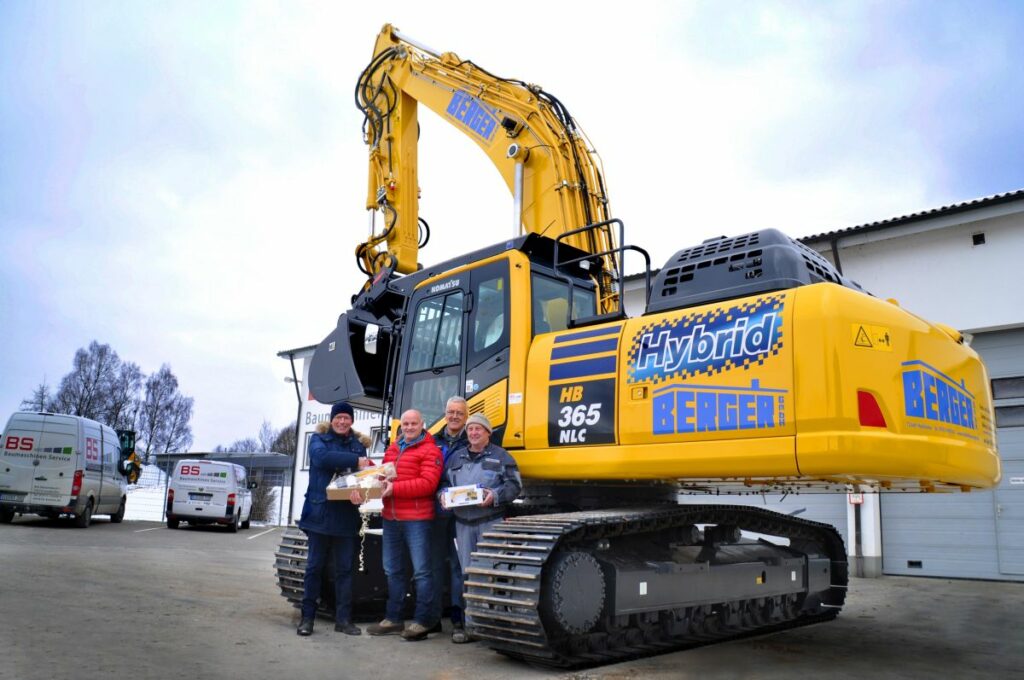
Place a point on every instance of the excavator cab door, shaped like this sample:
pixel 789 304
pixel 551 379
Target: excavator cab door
pixel 457 339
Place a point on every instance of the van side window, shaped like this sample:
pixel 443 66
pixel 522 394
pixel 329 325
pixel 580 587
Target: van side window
pixel 110 456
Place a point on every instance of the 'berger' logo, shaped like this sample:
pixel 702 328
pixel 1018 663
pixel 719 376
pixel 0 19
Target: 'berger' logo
pixel 473 113
pixel 708 342
pixel 930 394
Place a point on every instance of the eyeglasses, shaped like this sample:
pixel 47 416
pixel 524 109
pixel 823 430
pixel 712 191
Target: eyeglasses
pixel 455 413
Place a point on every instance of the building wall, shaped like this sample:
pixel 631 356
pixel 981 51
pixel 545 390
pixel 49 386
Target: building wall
pixel 313 413
pixel 939 274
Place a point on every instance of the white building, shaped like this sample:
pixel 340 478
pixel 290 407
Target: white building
pixel 957 265
pixel 310 414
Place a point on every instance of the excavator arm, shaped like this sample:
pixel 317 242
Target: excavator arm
pixel 542 155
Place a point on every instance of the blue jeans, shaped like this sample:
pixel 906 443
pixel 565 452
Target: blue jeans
pixel 343 549
pixel 414 537
pixel 445 567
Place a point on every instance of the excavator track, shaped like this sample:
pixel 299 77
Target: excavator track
pixel 535 589
pixel 369 583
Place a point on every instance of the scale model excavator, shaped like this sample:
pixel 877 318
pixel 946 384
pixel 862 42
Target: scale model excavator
pixel 755 367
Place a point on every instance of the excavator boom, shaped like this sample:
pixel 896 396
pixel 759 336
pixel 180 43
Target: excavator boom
pixel 540 152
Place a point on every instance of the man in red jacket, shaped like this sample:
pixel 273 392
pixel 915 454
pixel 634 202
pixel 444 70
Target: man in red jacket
pixel 408 516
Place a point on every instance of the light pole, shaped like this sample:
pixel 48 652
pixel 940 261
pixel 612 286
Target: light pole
pixel 294 379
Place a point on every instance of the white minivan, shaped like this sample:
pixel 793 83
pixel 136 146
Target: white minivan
pixel 209 492
pixel 55 465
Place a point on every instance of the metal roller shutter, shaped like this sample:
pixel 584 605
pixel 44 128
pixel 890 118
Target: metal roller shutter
pixel 978 534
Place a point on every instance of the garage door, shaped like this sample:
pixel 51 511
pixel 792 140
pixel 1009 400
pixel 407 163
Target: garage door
pixel 829 508
pixel 978 534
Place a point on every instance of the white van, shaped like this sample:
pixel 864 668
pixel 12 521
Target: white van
pixel 209 492
pixel 55 465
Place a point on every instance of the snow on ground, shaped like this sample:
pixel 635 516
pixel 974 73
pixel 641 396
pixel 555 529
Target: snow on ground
pixel 147 498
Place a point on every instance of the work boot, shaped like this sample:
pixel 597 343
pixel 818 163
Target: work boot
pixel 348 628
pixel 415 631
pixel 305 627
pixel 385 627
pixel 459 635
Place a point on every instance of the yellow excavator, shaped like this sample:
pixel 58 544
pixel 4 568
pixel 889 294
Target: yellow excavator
pixel 755 367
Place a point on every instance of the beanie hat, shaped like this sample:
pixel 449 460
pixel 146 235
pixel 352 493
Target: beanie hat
pixel 342 407
pixel 481 420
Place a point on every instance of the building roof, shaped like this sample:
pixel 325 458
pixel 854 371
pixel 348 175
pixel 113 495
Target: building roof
pixel 249 460
pixel 954 208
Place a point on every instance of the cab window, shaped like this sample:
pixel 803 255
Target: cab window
pixel 489 326
pixel 437 333
pixel 551 303
pixel 435 355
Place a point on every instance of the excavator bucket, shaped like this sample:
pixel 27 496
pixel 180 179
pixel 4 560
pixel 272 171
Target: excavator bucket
pixel 350 364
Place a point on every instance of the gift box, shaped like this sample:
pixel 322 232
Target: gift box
pixel 368 481
pixel 342 493
pixel 458 496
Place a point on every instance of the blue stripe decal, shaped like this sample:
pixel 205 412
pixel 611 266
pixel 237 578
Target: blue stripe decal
pixel 597 332
pixel 595 347
pixel 583 368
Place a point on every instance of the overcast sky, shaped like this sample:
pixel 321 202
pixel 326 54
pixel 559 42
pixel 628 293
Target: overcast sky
pixel 185 180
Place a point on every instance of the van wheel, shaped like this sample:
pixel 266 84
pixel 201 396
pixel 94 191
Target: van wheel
pixel 119 515
pixel 233 527
pixel 6 515
pixel 245 524
pixel 172 523
pixel 83 518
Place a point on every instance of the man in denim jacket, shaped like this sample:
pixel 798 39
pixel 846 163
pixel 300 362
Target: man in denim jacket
pixel 443 558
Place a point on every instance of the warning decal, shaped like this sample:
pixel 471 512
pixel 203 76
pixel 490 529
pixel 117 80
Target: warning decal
pixel 871 337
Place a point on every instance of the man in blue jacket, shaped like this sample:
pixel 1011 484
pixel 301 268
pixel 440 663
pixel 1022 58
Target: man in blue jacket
pixel 332 527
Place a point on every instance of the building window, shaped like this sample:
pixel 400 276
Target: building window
pixel 1009 416
pixel 1008 388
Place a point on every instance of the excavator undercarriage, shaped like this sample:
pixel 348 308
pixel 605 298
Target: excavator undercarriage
pixel 593 587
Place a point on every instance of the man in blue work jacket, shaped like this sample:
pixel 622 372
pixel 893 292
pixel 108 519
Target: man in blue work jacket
pixel 494 470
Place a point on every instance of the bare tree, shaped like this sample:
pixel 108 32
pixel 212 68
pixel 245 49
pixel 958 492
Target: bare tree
pixel 40 399
pixel 123 398
pixel 179 430
pixel 285 440
pixel 102 387
pixel 164 415
pixel 83 391
pixel 266 436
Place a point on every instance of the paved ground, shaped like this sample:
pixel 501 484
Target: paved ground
pixel 137 600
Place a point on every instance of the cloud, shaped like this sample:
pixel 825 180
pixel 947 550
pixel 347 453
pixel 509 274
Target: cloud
pixel 186 181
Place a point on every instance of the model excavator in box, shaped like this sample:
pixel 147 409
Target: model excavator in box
pixel 755 367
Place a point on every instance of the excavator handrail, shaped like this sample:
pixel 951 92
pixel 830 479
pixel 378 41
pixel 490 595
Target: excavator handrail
pixel 620 312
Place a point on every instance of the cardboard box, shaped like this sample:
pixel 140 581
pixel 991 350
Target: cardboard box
pixel 342 493
pixel 459 496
